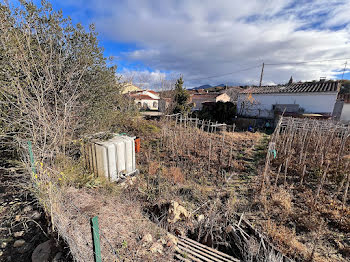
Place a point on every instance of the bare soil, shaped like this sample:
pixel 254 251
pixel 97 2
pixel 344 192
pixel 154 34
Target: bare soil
pixel 22 218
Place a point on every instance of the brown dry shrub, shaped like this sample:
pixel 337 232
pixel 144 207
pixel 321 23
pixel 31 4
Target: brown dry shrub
pixel 174 174
pixel 120 222
pixel 153 168
pixel 283 199
pixel 244 136
pixel 238 166
pixel 285 238
pixel 335 212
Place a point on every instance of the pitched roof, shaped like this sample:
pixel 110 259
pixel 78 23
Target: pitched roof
pixel 141 97
pixel 153 92
pixel 144 94
pixel 306 87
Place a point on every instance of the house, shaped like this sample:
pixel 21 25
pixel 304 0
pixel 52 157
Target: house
pixel 146 99
pixel 129 87
pixel 345 112
pixel 307 97
pixel 232 92
pixel 200 98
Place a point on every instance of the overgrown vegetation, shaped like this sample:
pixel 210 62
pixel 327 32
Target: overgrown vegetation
pixel 222 112
pixel 304 192
pixel 55 87
pixel 54 80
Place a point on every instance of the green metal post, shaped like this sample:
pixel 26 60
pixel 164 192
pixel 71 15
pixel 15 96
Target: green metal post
pixel 96 239
pixel 31 156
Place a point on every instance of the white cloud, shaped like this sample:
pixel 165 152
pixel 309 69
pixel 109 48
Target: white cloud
pixel 146 79
pixel 204 38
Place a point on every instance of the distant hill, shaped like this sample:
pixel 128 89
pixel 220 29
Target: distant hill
pixel 201 87
pixel 207 87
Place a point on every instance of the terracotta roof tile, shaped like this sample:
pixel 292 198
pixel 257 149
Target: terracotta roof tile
pixel 306 87
pixel 141 97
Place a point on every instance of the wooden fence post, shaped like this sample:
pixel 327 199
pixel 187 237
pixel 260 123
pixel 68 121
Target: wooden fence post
pixel 96 239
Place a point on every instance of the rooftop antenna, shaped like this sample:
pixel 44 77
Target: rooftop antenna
pixel 342 77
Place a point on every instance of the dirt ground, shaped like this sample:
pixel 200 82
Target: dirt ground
pixel 23 224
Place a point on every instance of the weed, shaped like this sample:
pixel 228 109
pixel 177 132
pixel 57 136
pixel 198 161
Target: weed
pixel 283 199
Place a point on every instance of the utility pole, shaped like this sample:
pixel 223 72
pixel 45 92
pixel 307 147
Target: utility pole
pixel 262 73
pixel 342 77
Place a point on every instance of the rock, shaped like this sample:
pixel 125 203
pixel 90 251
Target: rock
pixel 157 247
pixel 27 209
pixel 132 180
pixel 19 243
pixel 3 244
pixel 147 238
pixel 17 218
pixel 57 257
pixel 162 241
pixel 18 234
pixel 129 181
pixel 35 215
pixel 177 212
pixel 200 218
pixel 172 240
pixel 42 252
pixel 229 229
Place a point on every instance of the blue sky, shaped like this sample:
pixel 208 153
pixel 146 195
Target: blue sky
pixel 156 40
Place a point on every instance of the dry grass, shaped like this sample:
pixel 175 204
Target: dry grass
pixel 293 213
pixel 121 222
pixel 285 239
pixel 283 199
pixel 153 168
pixel 174 174
pixel 306 204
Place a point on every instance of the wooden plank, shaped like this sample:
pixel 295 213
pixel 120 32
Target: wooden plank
pixel 187 255
pixel 207 251
pixel 209 248
pixel 181 258
pixel 191 252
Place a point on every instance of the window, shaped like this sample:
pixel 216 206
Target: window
pixel 155 104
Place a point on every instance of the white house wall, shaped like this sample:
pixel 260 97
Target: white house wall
pixel 310 102
pixel 345 113
pixel 151 104
pixel 223 98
